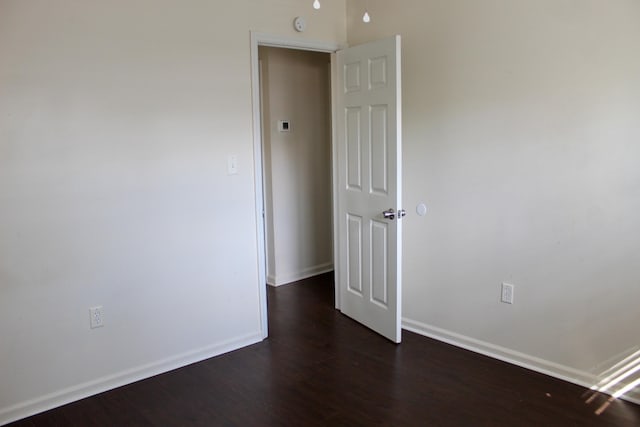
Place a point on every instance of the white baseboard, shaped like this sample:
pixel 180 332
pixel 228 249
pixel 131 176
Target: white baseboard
pixel 81 391
pixel 283 279
pixel 566 373
pixel 90 388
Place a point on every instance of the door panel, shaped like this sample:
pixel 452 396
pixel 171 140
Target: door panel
pixel 379 256
pixel 368 148
pixel 378 167
pixel 354 149
pixel 354 254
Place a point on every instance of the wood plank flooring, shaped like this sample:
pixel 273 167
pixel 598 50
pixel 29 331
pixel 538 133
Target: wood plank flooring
pixel 319 368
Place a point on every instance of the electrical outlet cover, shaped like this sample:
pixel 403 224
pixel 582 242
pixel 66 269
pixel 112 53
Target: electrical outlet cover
pixel 96 319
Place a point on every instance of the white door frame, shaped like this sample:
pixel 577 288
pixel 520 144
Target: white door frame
pixel 261 39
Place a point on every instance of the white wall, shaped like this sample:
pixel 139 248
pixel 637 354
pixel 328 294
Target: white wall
pixel 297 164
pixel 116 119
pixel 521 131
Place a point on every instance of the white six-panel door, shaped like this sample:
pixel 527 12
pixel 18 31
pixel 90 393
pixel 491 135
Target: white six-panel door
pixel 368 152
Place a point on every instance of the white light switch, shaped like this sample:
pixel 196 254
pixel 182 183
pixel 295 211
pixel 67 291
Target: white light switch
pixel 232 164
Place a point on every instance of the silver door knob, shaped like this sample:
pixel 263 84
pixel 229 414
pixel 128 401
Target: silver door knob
pixel 389 214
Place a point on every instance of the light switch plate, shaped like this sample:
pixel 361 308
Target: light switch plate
pixel 232 164
pixel 506 294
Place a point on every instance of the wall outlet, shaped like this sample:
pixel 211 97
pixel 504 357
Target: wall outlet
pixel 507 293
pixel 96 320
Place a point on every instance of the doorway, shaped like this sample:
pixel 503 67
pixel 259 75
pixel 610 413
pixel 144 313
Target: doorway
pixel 367 249
pixel 267 40
pixel 295 92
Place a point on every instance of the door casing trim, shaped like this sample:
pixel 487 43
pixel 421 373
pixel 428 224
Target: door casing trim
pixel 262 39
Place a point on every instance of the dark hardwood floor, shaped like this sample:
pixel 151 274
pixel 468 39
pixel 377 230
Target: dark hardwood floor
pixel 319 368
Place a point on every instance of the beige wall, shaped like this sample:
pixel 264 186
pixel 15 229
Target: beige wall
pixel 296 87
pixel 116 120
pixel 521 134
